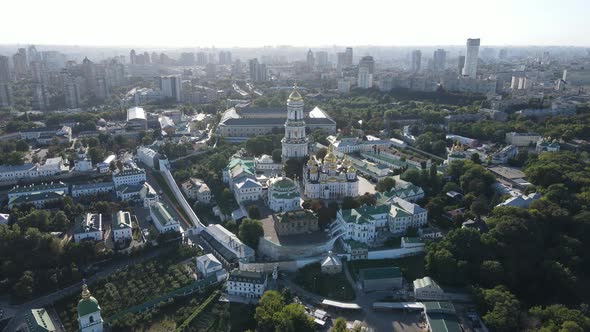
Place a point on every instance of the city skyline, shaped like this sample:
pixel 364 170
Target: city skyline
pixel 401 24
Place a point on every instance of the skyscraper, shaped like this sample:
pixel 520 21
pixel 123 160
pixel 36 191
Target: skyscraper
pixel 322 59
pixel 132 57
pixel 20 64
pixel 365 78
pixel 461 64
pixel 416 61
pixel 201 58
pixel 470 68
pixel 5 94
pixel 310 60
pixel 33 54
pixel 369 62
pixel 72 94
pixel 439 60
pixel 4 69
pixel 170 87
pixel 348 57
pixel 258 71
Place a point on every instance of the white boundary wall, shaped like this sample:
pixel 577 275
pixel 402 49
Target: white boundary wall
pixel 199 226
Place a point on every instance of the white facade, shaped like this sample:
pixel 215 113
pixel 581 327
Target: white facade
pixel 146 156
pixel 196 189
pixel 365 78
pixel 404 214
pixel 295 143
pixel 90 227
pixel 363 224
pixel 92 189
pixel 283 194
pixel 329 180
pixel 162 218
pixel 246 284
pixel 208 265
pixel 121 226
pixel 129 176
pixel 471 58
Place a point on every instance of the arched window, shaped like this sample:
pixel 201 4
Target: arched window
pixel 91 319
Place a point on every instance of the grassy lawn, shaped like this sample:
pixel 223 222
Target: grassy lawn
pixel 168 192
pixel 333 286
pixel 412 267
pixel 127 288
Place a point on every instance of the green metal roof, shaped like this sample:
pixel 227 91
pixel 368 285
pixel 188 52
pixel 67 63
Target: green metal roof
pixel 363 214
pixel 380 273
pixel 88 306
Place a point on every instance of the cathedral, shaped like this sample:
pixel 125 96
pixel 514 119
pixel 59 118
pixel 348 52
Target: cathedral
pixel 330 179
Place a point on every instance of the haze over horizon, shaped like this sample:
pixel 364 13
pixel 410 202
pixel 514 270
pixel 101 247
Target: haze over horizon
pixel 302 23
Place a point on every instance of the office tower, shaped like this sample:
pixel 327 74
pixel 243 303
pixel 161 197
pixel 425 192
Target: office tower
pixel 367 61
pixel 170 87
pixel 33 55
pixel 416 61
pixel 546 58
pixel 5 94
pixel 348 57
pixel 365 78
pixel 187 59
pixel 439 60
pixel 258 71
pixel 322 59
pixel 310 60
pixel 20 65
pixel 132 57
pixel 40 97
pixel 201 58
pixel 212 58
pixel 503 54
pixel 4 69
pixel 211 70
pixel 155 58
pixel 470 67
pixel 72 94
pixel 146 58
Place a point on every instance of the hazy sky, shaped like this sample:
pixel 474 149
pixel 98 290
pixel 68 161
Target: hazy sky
pixel 225 23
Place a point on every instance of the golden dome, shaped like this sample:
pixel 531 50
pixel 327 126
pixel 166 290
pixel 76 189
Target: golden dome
pixel 310 162
pixel 295 95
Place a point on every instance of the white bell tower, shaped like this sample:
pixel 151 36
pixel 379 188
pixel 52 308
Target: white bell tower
pixel 295 143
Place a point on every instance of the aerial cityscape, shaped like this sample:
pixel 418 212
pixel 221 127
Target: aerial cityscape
pixel 389 174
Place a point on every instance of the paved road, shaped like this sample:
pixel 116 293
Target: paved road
pixel 42 301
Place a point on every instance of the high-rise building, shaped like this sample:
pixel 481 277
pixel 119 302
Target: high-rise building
pixel 439 60
pixel 461 64
pixel 310 60
pixel 201 58
pixel 155 58
pixel 40 97
pixel 132 57
pixel 348 57
pixel 295 143
pixel 365 78
pixel 5 94
pixel 33 54
pixel 258 71
pixel 38 72
pixel 471 58
pixel 211 70
pixel 369 62
pixel 20 65
pixel 89 73
pixel 503 54
pixel 170 86
pixel 322 59
pixel 187 59
pixel 416 61
pixel 225 58
pixel 4 69
pixel 72 94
